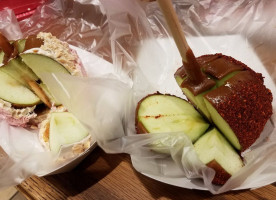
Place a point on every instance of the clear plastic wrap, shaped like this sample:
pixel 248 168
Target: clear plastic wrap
pixel 133 36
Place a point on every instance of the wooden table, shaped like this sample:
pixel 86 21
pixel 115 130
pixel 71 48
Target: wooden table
pixel 108 176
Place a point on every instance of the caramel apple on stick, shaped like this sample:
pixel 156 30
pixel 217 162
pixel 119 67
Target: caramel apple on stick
pixel 230 94
pixel 239 104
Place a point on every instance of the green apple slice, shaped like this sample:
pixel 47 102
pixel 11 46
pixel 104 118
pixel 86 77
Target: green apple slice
pixel 224 79
pixel 159 113
pixel 20 45
pixel 41 63
pixel 46 91
pixel 19 71
pixel 223 125
pixel 65 129
pixel 14 92
pixel 2 54
pixel 215 151
pixel 197 100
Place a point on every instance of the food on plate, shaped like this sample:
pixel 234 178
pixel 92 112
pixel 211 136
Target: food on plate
pixel 18 70
pixel 62 128
pixel 27 102
pixel 14 92
pixel 228 93
pixel 46 44
pixel 40 63
pixel 216 152
pixel 158 113
pixel 239 104
pixel 24 61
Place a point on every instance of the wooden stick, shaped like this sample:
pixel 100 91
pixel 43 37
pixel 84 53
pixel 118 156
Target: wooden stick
pixel 40 93
pixel 175 27
pixel 196 81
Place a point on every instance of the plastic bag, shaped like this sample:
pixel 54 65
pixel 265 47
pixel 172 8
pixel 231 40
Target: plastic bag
pixel 132 35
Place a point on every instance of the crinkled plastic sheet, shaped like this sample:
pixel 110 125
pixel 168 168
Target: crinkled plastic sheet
pixel 127 29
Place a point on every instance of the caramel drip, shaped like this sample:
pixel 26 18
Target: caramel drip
pixel 196 81
pixel 216 65
pixel 33 42
pixel 226 91
pixel 221 66
pixel 205 85
pixel 7 48
pixel 180 72
pixel 11 50
pixel 192 69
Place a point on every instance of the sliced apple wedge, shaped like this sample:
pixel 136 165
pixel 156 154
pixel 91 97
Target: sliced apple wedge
pixel 41 63
pixel 215 151
pixel 65 129
pixel 159 113
pixel 23 74
pixel 19 71
pixel 239 104
pixel 14 92
pixel 198 100
pixel 235 108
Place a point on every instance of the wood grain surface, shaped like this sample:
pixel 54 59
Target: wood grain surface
pixel 111 176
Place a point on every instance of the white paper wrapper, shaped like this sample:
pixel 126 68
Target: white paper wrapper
pixel 133 35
